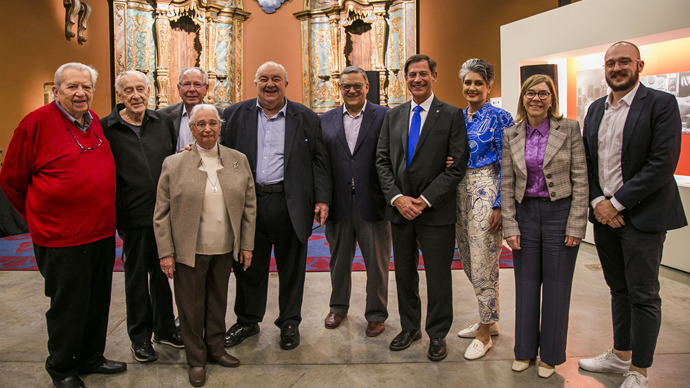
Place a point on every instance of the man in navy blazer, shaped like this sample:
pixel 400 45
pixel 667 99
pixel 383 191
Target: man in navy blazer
pixel 420 191
pixel 351 132
pixel 632 142
pixel 283 143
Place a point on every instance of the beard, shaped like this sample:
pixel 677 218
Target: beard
pixel 632 80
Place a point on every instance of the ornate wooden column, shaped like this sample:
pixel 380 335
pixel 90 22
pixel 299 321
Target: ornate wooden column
pixel 159 38
pixel 373 35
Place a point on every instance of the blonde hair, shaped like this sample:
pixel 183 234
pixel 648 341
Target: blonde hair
pixel 527 85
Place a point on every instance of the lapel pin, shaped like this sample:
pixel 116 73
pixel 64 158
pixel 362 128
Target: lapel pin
pixel 437 110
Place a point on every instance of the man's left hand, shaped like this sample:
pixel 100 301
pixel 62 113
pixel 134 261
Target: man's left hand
pixel 320 213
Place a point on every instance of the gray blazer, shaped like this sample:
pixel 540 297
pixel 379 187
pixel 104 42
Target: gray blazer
pixel 565 170
pixel 180 195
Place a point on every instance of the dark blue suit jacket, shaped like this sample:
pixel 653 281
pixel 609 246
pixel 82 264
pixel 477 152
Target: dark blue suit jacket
pixel 360 164
pixel 306 167
pixel 651 148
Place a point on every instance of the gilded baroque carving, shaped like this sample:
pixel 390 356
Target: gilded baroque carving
pixel 136 21
pixel 392 40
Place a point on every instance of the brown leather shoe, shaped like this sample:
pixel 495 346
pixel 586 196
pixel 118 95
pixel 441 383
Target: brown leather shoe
pixel 375 328
pixel 197 375
pixel 228 361
pixel 333 320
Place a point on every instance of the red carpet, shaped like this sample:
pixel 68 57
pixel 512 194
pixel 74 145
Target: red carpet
pixel 17 254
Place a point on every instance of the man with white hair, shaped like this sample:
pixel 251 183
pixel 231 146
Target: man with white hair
pixel 192 87
pixel 60 177
pixel 140 140
pixel 282 140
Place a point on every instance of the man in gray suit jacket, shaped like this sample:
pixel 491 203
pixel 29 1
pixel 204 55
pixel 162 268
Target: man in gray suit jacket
pixel 632 143
pixel 192 88
pixel 283 143
pixel 351 132
pixel 415 139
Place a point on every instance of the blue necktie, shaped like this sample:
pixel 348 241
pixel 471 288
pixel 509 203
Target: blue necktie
pixel 412 138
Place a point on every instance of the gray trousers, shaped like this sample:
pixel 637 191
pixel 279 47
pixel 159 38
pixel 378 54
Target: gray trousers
pixel 374 240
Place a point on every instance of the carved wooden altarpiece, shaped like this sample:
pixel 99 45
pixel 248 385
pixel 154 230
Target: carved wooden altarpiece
pixel 160 37
pixel 376 35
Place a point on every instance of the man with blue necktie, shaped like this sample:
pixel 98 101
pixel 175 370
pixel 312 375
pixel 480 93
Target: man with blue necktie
pixel 415 139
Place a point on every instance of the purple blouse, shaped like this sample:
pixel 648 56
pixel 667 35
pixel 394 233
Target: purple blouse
pixel 535 147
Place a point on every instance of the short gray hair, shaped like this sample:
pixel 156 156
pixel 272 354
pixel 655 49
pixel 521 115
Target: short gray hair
pixel 355 69
pixel 59 73
pixel 479 66
pixel 268 64
pixel 118 79
pixel 201 71
pixel 201 108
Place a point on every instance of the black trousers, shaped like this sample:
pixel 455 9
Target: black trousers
pixel 274 231
pixel 630 259
pixel 77 281
pixel 437 244
pixel 147 290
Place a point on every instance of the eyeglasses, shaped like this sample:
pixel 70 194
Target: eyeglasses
pixel 81 146
pixel 203 124
pixel 195 85
pixel 542 94
pixel 357 87
pixel 622 63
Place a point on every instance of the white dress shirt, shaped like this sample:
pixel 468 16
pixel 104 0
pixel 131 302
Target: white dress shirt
pixel 610 147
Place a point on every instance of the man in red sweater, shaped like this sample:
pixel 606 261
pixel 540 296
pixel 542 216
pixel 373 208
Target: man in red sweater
pixel 60 176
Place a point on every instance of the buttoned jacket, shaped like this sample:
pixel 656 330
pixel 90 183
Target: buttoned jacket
pixel 564 167
pixel 443 134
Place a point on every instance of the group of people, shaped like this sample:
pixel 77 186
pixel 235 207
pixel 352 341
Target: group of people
pixel 196 191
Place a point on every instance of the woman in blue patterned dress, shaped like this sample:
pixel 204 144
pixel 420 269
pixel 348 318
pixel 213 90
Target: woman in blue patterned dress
pixel 478 225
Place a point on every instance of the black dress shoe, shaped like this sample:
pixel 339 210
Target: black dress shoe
pixel 106 367
pixel 405 339
pixel 437 349
pixel 289 337
pixel 239 332
pixel 69 382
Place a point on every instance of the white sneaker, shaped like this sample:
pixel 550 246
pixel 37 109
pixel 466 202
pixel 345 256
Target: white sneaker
pixel 477 349
pixel 634 379
pixel 607 362
pixel 471 331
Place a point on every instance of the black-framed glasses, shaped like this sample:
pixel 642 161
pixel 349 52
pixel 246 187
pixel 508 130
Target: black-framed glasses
pixel 541 94
pixel 357 87
pixel 81 146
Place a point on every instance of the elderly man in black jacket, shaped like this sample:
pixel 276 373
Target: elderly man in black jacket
pixel 140 139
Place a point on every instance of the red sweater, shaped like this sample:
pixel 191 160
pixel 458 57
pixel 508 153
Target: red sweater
pixel 66 196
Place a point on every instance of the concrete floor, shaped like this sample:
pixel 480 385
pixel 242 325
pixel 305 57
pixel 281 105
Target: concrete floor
pixel 345 356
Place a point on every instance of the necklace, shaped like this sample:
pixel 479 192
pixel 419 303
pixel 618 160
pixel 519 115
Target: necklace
pixel 214 188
